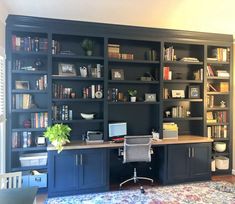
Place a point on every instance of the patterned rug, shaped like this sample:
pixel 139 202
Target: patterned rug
pixel 195 193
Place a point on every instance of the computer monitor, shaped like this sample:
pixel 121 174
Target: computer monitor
pixel 117 129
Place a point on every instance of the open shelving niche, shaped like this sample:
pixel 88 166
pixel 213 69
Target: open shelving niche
pixel 218 74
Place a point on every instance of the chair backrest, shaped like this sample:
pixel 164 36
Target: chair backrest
pixel 137 149
pixel 10 180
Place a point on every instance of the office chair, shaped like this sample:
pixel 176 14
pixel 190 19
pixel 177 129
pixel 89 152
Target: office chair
pixel 136 149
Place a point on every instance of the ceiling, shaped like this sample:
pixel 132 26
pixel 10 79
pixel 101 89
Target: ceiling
pixel 196 15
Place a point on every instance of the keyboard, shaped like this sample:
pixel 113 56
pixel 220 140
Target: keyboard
pixel 118 140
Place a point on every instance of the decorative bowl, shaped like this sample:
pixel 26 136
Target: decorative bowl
pixel 87 116
pixel 219 146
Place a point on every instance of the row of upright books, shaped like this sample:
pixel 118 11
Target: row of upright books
pixel 218 87
pixel 62 112
pixel 114 52
pixel 219 73
pixel 169 53
pixel 41 83
pixel 22 139
pixel 39 120
pixel 61 92
pixel 22 101
pixel 220 54
pixel 29 44
pixel 217 117
pixel 218 131
pixel 178 112
pixel 93 91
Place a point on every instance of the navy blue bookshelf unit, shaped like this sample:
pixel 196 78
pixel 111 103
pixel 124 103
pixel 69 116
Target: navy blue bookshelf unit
pixel 37 48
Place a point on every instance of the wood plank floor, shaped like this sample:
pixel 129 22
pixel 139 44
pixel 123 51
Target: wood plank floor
pixel 229 178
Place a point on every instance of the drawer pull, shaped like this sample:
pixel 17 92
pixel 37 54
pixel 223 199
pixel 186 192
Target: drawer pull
pixel 76 159
pixel 189 152
pixel 81 159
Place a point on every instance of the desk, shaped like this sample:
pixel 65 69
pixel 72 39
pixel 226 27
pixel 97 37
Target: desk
pixel 18 195
pixel 186 139
pixel 87 168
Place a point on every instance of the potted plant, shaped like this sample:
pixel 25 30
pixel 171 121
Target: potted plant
pixel 132 93
pixel 58 135
pixel 88 46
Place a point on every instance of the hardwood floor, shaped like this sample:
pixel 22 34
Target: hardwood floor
pixel 229 178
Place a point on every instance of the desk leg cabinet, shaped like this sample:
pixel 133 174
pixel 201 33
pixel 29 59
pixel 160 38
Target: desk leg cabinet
pixel 188 162
pixel 77 171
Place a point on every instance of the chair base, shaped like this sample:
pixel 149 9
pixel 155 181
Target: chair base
pixel 135 178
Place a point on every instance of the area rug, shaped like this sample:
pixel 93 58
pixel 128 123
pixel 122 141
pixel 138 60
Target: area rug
pixel 195 193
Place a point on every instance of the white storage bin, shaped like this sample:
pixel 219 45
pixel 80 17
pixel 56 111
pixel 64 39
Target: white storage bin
pixel 222 163
pixel 35 159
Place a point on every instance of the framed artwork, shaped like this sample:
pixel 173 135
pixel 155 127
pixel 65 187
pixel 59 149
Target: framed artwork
pixel 178 94
pixel 150 97
pixel 194 91
pixel 66 69
pixel 23 85
pixel 117 74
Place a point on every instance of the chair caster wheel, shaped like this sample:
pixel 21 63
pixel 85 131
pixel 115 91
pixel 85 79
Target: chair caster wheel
pixel 142 189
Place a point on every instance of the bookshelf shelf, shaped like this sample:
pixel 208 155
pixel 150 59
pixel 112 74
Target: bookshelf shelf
pixel 183 81
pixel 183 99
pixel 133 103
pixel 79 121
pixel 29 149
pixel 29 72
pixel 30 53
pixel 178 119
pixel 77 57
pixel 29 168
pixel 133 61
pixel 218 93
pixel 28 129
pixel 217 62
pixel 182 63
pixel 77 100
pixel 212 124
pixel 29 110
pixel 76 78
pixel 217 78
pixel 217 108
pixel 132 82
pixel 220 154
pixel 220 139
pixel 29 91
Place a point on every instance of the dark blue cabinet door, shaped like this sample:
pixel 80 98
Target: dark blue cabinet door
pixel 63 172
pixel 200 160
pixel 178 163
pixel 93 169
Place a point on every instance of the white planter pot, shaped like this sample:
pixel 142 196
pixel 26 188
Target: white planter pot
pixel 133 99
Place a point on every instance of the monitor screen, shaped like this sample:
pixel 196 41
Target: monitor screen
pixel 117 129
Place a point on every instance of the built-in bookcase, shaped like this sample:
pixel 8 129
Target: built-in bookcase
pixel 52 79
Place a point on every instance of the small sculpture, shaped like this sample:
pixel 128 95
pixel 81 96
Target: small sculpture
pixel 222 104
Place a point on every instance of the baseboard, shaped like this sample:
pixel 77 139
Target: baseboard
pixel 233 171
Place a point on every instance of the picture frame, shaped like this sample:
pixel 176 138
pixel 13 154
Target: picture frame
pixel 22 85
pixel 149 97
pixel 117 74
pixel 194 91
pixel 66 69
pixel 178 94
